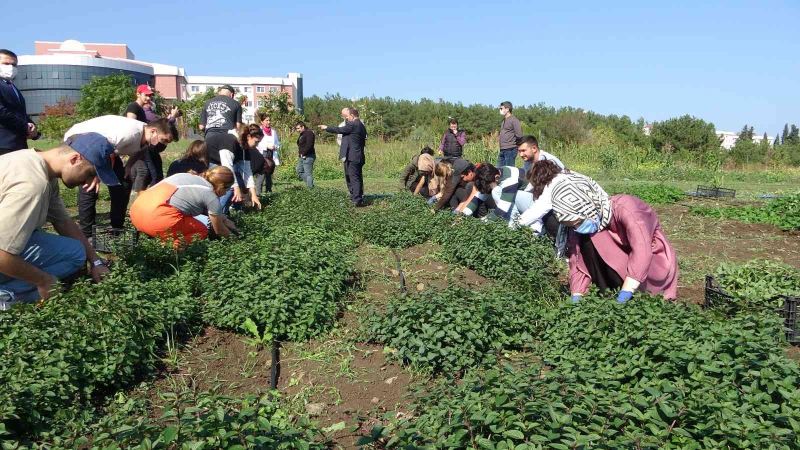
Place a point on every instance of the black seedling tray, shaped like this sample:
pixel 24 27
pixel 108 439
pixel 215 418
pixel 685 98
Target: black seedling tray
pixel 714 192
pixel 108 239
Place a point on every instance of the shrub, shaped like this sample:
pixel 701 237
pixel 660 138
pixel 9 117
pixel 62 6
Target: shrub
pixel 451 331
pixel 401 221
pixel 56 119
pixel 515 257
pixel 654 194
pixel 287 282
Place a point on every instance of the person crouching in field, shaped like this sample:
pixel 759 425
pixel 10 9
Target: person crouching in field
pixel 195 160
pixel 615 242
pixel 418 174
pixel 249 137
pixel 458 188
pixel 504 189
pixel 179 208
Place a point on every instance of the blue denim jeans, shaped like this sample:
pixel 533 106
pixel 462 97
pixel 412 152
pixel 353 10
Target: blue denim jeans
pixel 305 170
pixel 60 256
pixel 507 157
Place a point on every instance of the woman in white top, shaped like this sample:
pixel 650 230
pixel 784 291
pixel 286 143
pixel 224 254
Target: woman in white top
pixel 269 146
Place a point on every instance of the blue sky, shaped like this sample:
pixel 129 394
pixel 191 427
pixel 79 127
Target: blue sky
pixel 728 62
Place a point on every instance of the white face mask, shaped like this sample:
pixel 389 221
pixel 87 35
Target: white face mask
pixel 8 71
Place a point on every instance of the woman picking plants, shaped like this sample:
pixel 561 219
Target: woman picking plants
pixel 615 242
pixel 180 207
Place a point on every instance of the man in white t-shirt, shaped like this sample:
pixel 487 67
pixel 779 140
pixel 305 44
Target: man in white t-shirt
pixel 31 261
pixel 127 136
pixel 528 149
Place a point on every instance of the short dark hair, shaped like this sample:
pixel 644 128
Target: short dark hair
pixel 453 120
pixel 528 139
pixel 227 87
pixel 7 52
pixel 161 125
pixel 485 175
pixel 353 111
pixel 263 115
pixel 427 150
pixel 508 105
pixel 300 123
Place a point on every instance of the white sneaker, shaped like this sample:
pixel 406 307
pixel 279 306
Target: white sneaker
pixel 6 299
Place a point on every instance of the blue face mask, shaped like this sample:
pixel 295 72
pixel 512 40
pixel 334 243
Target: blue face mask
pixel 589 226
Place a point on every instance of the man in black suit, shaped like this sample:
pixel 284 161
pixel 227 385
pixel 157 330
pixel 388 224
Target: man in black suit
pixel 351 152
pixel 15 125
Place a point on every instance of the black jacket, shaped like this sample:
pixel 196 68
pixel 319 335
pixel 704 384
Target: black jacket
pixel 305 143
pixel 354 139
pixel 14 119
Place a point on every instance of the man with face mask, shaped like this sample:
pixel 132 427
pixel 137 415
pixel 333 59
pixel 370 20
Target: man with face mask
pixel 15 125
pixel 128 137
pixel 32 261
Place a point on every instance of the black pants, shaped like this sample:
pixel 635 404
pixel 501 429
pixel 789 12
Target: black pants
pixel 355 180
pixel 603 276
pixel 550 224
pixel 87 202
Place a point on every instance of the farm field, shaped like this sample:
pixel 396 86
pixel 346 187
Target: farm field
pixel 399 328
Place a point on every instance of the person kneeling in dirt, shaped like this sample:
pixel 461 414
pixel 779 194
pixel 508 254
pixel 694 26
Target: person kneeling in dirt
pixel 180 207
pixel 32 261
pixel 614 242
pixel 457 191
pixel 418 174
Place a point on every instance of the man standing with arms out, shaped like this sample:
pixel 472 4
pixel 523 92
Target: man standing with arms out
pixel 452 145
pixel 351 152
pixel 306 154
pixel 32 261
pixel 220 116
pixel 510 131
pixel 15 125
pixel 127 137
pixel 528 148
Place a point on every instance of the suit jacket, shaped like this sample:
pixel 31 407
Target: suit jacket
pixel 13 118
pixel 354 139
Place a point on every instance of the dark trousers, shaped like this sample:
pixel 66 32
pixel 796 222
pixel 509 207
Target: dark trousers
pixel 603 276
pixel 87 202
pixel 354 180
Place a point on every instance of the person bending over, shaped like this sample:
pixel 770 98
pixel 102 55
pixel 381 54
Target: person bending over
pixel 195 160
pixel 614 242
pixel 31 261
pixel 457 190
pixel 179 208
pixel 418 174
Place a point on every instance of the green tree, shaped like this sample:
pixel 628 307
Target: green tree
pixel 281 111
pixel 56 119
pixel 105 95
pixel 785 133
pixel 191 108
pixel 794 136
pixel 687 135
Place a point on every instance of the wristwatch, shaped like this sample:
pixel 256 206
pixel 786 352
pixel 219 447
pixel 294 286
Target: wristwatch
pixel 98 262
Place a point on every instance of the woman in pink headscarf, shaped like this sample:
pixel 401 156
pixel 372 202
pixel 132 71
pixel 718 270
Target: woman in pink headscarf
pixel 614 242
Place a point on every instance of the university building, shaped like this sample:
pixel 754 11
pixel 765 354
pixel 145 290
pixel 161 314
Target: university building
pixel 58 70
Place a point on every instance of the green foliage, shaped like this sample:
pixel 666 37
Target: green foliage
pixel 83 343
pixel 191 108
pixel 647 374
pixel 105 95
pixel 329 209
pixel 281 112
pixel 288 281
pixel 194 421
pixel 516 257
pixel 654 194
pixel 783 212
pixel 756 283
pixel 686 135
pixel 56 119
pixel 454 330
pixel 401 221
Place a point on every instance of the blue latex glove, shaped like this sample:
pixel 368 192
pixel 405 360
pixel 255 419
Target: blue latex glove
pixel 624 296
pixel 575 298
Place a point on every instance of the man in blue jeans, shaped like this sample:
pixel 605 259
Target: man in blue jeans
pixel 306 154
pixel 32 261
pixel 510 131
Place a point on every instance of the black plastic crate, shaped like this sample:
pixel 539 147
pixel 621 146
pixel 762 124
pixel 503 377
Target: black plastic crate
pixel 715 192
pixel 109 240
pixel 715 296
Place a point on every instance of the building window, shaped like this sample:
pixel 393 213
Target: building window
pixel 249 104
pixel 195 88
pixel 273 89
pixel 259 89
pixel 54 75
pixel 247 89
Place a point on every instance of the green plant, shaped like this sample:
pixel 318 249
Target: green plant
pixel 454 330
pixel 401 221
pixel 757 283
pixel 654 194
pixel 783 212
pixel 516 257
